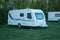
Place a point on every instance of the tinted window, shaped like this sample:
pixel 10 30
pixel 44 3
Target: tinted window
pixel 21 14
pixel 39 16
pixel 57 15
pixel 29 16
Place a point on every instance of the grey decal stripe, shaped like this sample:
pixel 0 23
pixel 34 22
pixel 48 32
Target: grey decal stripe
pixel 18 19
pixel 12 17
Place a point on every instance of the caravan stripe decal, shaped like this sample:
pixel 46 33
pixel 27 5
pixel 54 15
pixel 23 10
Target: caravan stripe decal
pixel 19 19
pixel 12 17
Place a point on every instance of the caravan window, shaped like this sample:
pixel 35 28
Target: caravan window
pixel 29 16
pixel 39 16
pixel 57 15
pixel 21 14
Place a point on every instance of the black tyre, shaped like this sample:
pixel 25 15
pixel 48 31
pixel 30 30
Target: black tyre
pixel 19 25
pixel 59 20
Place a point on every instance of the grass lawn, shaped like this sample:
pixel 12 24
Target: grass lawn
pixel 15 33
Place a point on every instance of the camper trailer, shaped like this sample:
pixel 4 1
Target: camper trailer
pixel 53 16
pixel 27 17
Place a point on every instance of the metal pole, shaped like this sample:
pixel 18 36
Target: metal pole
pixel 47 7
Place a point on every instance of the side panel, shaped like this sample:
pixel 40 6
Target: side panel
pixel 14 18
pixel 29 22
pixel 13 21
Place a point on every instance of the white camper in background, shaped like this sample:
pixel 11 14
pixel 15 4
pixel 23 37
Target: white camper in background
pixel 53 16
pixel 27 17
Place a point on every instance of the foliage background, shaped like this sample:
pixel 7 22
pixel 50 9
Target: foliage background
pixel 45 5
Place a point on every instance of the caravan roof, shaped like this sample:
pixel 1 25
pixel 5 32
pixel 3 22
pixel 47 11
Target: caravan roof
pixel 27 9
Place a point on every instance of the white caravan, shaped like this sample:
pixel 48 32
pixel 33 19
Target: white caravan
pixel 27 17
pixel 53 16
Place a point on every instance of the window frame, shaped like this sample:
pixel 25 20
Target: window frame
pixel 29 16
pixel 39 18
pixel 21 14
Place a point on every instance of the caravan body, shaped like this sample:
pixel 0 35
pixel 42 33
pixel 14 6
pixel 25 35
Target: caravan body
pixel 53 16
pixel 27 17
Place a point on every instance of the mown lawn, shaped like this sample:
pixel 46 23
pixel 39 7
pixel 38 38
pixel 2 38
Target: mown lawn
pixel 15 33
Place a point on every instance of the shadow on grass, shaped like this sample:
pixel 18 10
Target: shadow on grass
pixel 24 27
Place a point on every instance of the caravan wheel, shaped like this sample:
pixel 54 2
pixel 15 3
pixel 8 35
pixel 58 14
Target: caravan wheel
pixel 19 25
pixel 59 20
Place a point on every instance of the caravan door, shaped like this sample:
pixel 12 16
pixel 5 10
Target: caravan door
pixel 29 20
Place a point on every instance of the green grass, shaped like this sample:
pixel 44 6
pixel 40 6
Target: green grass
pixel 15 33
